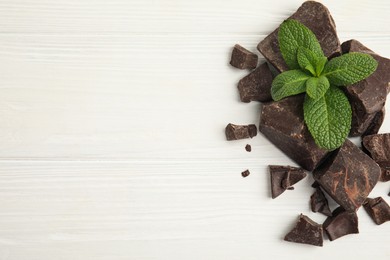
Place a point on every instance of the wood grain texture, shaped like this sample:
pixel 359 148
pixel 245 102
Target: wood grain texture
pixel 112 132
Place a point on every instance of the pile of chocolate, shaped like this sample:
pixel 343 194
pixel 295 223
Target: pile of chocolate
pixel 348 174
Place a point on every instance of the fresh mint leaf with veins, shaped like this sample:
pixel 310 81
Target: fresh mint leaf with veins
pixel 317 87
pixel 289 83
pixel 307 60
pixel 292 35
pixel 328 118
pixel 349 68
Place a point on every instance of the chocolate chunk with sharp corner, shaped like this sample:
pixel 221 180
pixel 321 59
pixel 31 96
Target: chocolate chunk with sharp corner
pixel 235 132
pixel 376 123
pixel 242 58
pixel 341 223
pixel 378 209
pixel 348 176
pixel 284 177
pixel 319 203
pixel 378 147
pixel 369 95
pixel 283 124
pixel 306 231
pixel 318 19
pixel 256 86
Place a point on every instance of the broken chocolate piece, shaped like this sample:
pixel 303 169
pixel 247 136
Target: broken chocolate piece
pixel 245 173
pixel 284 177
pixel 306 231
pixel 248 148
pixel 369 95
pixel 348 176
pixel 341 223
pixel 235 132
pixel 242 58
pixel 282 123
pixel 256 86
pixel 376 123
pixel 319 203
pixel 318 19
pixel 378 209
pixel 378 147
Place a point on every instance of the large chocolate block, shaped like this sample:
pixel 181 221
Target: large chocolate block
pixel 306 231
pixel 318 19
pixel 378 146
pixel 283 124
pixel 348 176
pixel 369 95
pixel 256 86
pixel 341 223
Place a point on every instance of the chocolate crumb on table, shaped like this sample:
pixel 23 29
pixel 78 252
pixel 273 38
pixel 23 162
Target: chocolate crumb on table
pixel 283 178
pixel 306 231
pixel 242 58
pixel 248 148
pixel 341 223
pixel 378 209
pixel 235 132
pixel 245 173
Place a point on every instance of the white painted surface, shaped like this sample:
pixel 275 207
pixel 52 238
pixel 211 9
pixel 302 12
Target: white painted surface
pixel 112 133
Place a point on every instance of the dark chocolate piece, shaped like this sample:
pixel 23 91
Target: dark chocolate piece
pixel 282 123
pixel 318 19
pixel 376 123
pixel 242 58
pixel 248 148
pixel 235 132
pixel 341 223
pixel 319 203
pixel 378 209
pixel 306 231
pixel 369 95
pixel 245 173
pixel 348 176
pixel 256 86
pixel 284 177
pixel 378 146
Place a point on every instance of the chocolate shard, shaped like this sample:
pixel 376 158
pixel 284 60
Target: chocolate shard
pixel 341 223
pixel 245 173
pixel 283 124
pixel 256 86
pixel 242 58
pixel 378 147
pixel 369 95
pixel 378 209
pixel 235 132
pixel 248 148
pixel 319 203
pixel 306 231
pixel 376 123
pixel 284 177
pixel 348 176
pixel 318 19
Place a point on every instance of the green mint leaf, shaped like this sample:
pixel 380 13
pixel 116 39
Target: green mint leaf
pixel 320 65
pixel 307 60
pixel 328 118
pixel 349 68
pixel 292 35
pixel 288 83
pixel 317 87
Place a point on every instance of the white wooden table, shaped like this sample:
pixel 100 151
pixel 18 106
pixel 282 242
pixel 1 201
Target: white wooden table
pixel 112 117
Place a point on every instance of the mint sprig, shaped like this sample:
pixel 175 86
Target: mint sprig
pixel 327 111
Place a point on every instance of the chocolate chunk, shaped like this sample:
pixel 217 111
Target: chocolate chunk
pixel 282 123
pixel 318 19
pixel 369 95
pixel 245 173
pixel 378 209
pixel 341 223
pixel 248 148
pixel 284 177
pixel 376 123
pixel 235 132
pixel 348 176
pixel 256 86
pixel 319 203
pixel 242 58
pixel 378 146
pixel 306 231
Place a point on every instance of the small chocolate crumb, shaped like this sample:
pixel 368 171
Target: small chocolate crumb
pixel 319 203
pixel 248 148
pixel 235 132
pixel 245 173
pixel 242 58
pixel 341 223
pixel 306 231
pixel 283 177
pixel 378 209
